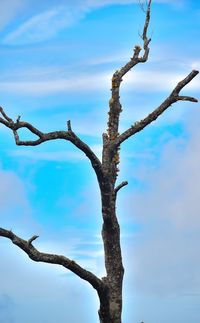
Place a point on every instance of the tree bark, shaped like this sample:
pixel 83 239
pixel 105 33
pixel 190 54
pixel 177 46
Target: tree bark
pixel 113 261
pixel 109 288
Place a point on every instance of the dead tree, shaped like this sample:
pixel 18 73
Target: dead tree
pixel 109 288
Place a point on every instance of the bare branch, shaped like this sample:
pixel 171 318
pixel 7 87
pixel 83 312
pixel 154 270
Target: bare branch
pixel 5 115
pixel 18 119
pixel 120 186
pixel 172 98
pixel 69 128
pixel 43 137
pixel 144 37
pixel 32 239
pixel 38 256
pixel 187 98
pixel 115 107
pixel 141 4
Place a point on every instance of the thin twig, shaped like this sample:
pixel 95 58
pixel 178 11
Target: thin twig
pixel 32 239
pixel 120 186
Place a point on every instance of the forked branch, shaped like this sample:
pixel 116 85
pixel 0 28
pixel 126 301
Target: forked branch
pixel 38 256
pixel 172 98
pixel 114 104
pixel 43 137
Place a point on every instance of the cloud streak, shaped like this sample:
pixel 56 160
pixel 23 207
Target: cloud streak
pixel 55 156
pixel 9 10
pixel 82 83
pixel 41 27
pixel 148 81
pixel 47 24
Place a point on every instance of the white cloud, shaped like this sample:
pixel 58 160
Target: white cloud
pixel 49 156
pixel 165 260
pixel 9 10
pixel 196 65
pixel 157 81
pixel 142 81
pixel 12 192
pixel 61 290
pixel 59 295
pixel 16 211
pixel 41 27
pixel 58 156
pixel 45 25
pixel 81 83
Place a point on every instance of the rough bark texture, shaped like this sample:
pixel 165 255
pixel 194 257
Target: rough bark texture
pixel 109 288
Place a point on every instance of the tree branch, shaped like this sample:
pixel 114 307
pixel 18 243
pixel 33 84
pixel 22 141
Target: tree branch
pixel 43 137
pixel 120 186
pixel 114 104
pixel 38 256
pixel 137 49
pixel 32 239
pixel 172 98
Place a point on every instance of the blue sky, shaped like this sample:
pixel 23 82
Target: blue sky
pixel 57 58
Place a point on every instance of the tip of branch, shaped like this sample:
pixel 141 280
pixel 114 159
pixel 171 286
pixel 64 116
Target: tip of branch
pixel 195 71
pixel 69 125
pixel 120 186
pixel 32 239
pixel 18 119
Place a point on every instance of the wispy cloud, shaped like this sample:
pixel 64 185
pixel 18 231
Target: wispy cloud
pixel 57 156
pixel 61 156
pixel 12 192
pixel 168 209
pixel 63 288
pixel 41 26
pixel 82 83
pixel 148 81
pixel 196 65
pixel 47 24
pixel 157 81
pixel 9 9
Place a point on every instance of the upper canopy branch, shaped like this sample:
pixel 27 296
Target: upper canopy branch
pixel 36 255
pixel 137 49
pixel 172 98
pixel 43 137
pixel 114 103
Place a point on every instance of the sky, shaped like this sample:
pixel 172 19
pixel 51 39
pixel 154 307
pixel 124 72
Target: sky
pixel 57 58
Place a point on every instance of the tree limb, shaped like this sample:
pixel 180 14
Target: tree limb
pixel 172 98
pixel 38 256
pixel 43 137
pixel 114 104
pixel 137 49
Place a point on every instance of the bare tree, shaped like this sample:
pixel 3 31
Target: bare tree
pixel 109 288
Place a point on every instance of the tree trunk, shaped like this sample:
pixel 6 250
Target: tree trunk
pixel 111 302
